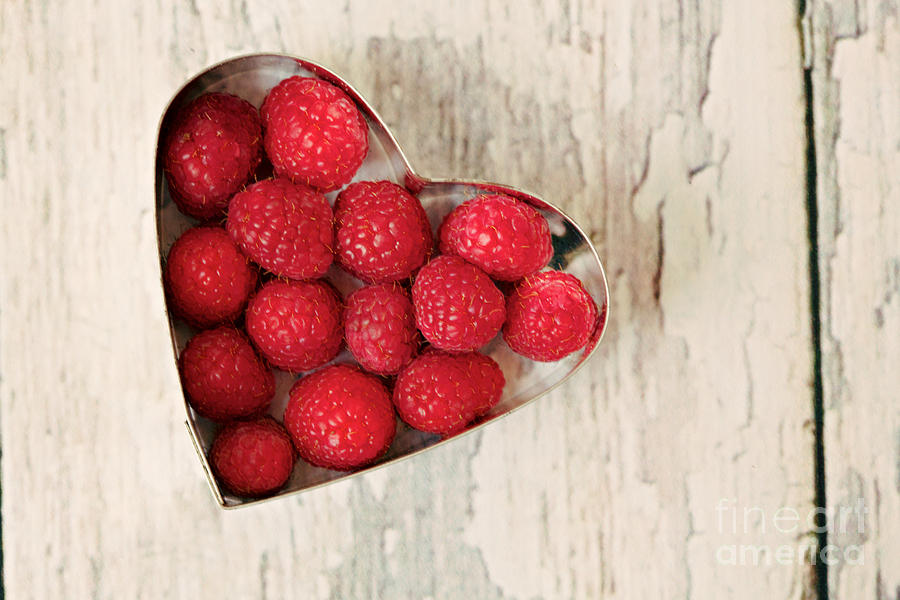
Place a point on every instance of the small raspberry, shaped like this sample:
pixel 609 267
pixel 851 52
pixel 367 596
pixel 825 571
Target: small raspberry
pixel 296 325
pixel 380 328
pixel 382 232
pixel 223 377
pixel 283 227
pixel 253 458
pixel 505 237
pixel 340 418
pixel 458 307
pixel 212 149
pixel 549 316
pixel 314 133
pixel 207 278
pixel 441 392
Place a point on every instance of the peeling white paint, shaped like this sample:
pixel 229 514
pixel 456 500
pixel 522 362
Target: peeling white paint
pixel 856 77
pixel 684 164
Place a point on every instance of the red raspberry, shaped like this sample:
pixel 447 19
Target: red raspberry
pixel 441 392
pixel 549 316
pixel 314 133
pixel 487 379
pixel 296 324
pixel 212 149
pixel 458 307
pixel 340 418
pixel 380 328
pixel 505 237
pixel 283 227
pixel 207 278
pixel 253 458
pixel 382 232
pixel 223 377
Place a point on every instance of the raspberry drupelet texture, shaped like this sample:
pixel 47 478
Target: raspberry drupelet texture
pixel 503 236
pixel 296 325
pixel 211 151
pixel 381 231
pixel 223 377
pixel 252 458
pixel 340 418
pixel 283 227
pixel 549 316
pixel 441 392
pixel 380 328
pixel 313 133
pixel 208 280
pixel 457 306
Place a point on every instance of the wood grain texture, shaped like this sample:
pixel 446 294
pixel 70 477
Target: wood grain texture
pixel 673 131
pixel 856 83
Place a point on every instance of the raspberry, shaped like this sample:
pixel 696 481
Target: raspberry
pixel 340 418
pixel 441 392
pixel 296 325
pixel 314 133
pixel 549 316
pixel 382 232
pixel 380 328
pixel 212 149
pixel 505 237
pixel 253 458
pixel 283 227
pixel 207 278
pixel 223 377
pixel 458 307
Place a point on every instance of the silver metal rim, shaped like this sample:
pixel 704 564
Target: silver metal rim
pixel 330 76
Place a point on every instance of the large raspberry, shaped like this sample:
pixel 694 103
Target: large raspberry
pixel 253 458
pixel 207 278
pixel 283 227
pixel 314 133
pixel 340 418
pixel 296 324
pixel 223 377
pixel 380 328
pixel 212 149
pixel 441 392
pixel 503 236
pixel 549 316
pixel 382 232
pixel 458 307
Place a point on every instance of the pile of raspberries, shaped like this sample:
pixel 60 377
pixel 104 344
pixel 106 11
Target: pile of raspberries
pixel 250 278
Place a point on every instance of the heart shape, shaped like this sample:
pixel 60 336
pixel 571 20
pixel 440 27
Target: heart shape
pixel 251 77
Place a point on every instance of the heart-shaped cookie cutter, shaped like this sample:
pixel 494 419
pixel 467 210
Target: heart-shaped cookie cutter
pixel 251 77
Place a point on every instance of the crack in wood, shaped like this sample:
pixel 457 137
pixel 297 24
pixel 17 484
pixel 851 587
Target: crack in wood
pixel 660 252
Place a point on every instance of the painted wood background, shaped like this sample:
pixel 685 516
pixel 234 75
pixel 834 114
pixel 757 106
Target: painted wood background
pixel 674 131
pixel 855 60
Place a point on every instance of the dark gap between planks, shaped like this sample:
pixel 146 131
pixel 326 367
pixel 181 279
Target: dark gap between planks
pixel 812 216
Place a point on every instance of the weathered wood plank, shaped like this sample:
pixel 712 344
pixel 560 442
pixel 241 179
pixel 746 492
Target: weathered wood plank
pixel 856 85
pixel 671 130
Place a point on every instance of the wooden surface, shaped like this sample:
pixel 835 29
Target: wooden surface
pixel 672 131
pixel 856 75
